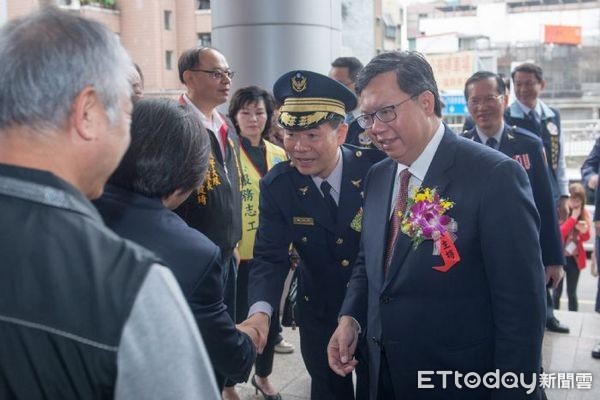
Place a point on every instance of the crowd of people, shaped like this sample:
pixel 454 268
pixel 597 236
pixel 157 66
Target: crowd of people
pixel 146 242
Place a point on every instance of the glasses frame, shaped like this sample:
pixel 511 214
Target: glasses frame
pixel 216 74
pixel 374 115
pixel 486 102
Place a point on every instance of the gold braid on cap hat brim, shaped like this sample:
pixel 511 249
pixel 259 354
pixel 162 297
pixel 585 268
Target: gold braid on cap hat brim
pixel 313 104
pixel 300 121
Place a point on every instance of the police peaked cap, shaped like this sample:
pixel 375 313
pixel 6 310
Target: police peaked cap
pixel 309 99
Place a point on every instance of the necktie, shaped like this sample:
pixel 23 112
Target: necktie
pixel 536 123
pixel 399 209
pixel 491 142
pixel 331 204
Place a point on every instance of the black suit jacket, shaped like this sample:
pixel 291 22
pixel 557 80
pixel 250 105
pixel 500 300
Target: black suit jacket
pixel 485 313
pixel 527 149
pixel 195 262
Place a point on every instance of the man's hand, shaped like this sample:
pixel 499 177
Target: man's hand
pixel 342 345
pixel 593 182
pixel 563 209
pixel 257 327
pixel 554 274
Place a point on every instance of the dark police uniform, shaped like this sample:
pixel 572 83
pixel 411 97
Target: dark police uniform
pixel 526 148
pixel 294 211
pixel 549 131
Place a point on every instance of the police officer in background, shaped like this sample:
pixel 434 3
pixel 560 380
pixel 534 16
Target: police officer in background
pixel 532 114
pixel 345 70
pixel 313 201
pixel 486 99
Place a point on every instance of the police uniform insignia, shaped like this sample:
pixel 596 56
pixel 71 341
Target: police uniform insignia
pixel 303 221
pixel 303 190
pixel 298 82
pixel 356 183
pixel 523 159
pixel 364 139
pixel 356 223
pixel 552 128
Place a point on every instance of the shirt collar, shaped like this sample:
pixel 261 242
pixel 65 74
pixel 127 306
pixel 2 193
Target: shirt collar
pixel 214 124
pixel 335 178
pixel 484 138
pixel 537 108
pixel 419 167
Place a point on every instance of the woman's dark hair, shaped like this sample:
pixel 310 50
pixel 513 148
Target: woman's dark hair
pixel 577 191
pixel 169 150
pixel 248 95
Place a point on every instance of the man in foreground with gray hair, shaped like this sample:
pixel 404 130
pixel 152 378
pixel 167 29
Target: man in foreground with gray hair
pixel 83 313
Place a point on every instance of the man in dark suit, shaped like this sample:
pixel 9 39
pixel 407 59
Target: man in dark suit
pixel 313 202
pixel 486 99
pixel 532 114
pixel 463 289
pixel 166 160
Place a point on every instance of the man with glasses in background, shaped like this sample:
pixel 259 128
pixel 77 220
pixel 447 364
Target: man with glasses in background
pixel 215 207
pixel 449 277
pixel 486 100
pixel 532 114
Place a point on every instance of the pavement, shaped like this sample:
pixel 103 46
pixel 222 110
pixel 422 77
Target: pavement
pixel 562 353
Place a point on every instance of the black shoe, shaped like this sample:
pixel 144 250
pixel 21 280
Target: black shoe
pixel 553 325
pixel 596 351
pixel 258 389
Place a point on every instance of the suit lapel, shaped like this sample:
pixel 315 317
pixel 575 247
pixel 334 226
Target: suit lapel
pixel 350 189
pixel 436 177
pixel 311 200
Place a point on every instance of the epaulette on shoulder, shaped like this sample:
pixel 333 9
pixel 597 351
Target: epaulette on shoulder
pixel 278 170
pixel 373 155
pixel 523 134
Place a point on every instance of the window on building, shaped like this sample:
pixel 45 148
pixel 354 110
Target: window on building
pixel 168 16
pixel 203 4
pixel 169 60
pixel 389 27
pixel 204 39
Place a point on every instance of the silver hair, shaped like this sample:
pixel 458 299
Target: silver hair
pixel 47 58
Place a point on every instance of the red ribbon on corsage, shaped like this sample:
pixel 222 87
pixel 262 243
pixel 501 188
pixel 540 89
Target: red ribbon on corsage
pixel 448 252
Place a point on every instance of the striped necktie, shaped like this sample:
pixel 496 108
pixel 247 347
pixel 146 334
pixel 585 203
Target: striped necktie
pixel 397 214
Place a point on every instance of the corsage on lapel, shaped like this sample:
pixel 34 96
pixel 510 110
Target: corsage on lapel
pixel 425 220
pixel 356 223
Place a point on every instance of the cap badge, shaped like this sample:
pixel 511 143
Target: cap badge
pixel 298 82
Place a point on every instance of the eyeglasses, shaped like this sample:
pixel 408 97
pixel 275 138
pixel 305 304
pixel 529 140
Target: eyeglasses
pixel 486 101
pixel 216 74
pixel 385 114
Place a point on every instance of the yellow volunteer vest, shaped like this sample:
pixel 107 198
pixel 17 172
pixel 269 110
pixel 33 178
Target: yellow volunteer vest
pixel 250 193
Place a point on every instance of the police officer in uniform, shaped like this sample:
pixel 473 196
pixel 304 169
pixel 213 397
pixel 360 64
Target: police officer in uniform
pixel 314 202
pixel 532 114
pixel 345 70
pixel 486 100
